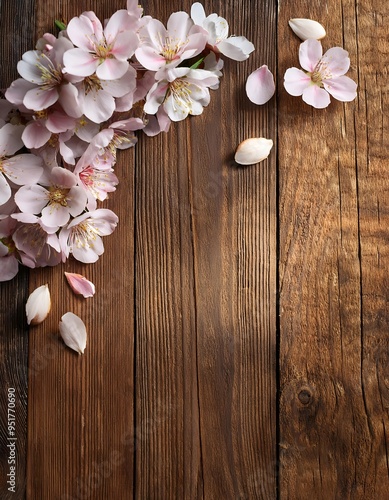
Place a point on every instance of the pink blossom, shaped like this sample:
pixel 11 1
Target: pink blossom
pixel 20 169
pixel 97 97
pixel 62 199
pixel 101 51
pixel 234 47
pixel 184 93
pixel 324 75
pixel 163 49
pixel 38 245
pixel 82 237
pixel 9 264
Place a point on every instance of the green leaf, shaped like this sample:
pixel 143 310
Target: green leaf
pixel 60 25
pixel 197 63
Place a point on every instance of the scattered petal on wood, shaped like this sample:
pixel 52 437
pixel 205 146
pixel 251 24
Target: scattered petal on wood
pixel 38 305
pixel 253 150
pixel 260 85
pixel 73 332
pixel 80 285
pixel 307 28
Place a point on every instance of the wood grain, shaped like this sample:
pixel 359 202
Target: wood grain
pixel 333 260
pixel 205 275
pixel 17 29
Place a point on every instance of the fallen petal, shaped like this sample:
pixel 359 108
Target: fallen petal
pixel 253 150
pixel 260 85
pixel 307 28
pixel 38 305
pixel 73 332
pixel 80 285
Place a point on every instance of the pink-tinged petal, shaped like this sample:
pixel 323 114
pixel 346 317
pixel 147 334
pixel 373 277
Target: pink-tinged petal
pixel 88 254
pixel 62 177
pixel 316 97
pixel 77 199
pixel 79 62
pixel 342 88
pixel 197 41
pixel 111 69
pixel 23 169
pixel 9 267
pixel 149 57
pixel 35 135
pixel 197 13
pixel 68 99
pixel 31 199
pixel 119 22
pixel 121 86
pixel 10 139
pixel 58 122
pixel 3 250
pixel 335 62
pixel 5 190
pixel 125 45
pixel 85 29
pixel 28 67
pixel 178 25
pixel 155 97
pixel 55 215
pixel 296 81
pixel 237 48
pixel 310 53
pixel 66 153
pixel 98 106
pixel 16 92
pixel 80 285
pixel 260 86
pixel 38 98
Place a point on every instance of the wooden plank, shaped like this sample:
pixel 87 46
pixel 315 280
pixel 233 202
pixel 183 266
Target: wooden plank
pixel 16 27
pixel 80 419
pixel 205 274
pixel 333 266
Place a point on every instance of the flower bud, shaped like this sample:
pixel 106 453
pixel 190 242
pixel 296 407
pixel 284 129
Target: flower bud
pixel 253 150
pixel 38 305
pixel 73 332
pixel 307 28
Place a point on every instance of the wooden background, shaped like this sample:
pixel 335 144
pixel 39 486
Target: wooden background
pixel 238 340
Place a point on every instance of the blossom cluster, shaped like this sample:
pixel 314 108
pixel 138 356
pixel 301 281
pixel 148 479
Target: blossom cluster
pixel 81 96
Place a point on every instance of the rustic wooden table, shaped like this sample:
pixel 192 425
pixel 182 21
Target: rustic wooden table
pixel 238 340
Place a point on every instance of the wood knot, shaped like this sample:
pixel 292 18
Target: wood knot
pixel 305 396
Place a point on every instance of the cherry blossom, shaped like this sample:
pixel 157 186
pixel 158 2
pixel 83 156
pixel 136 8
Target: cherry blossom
pixel 101 51
pixel 184 93
pixel 323 75
pixel 20 169
pixel 82 236
pixel 237 48
pixel 62 199
pixel 165 48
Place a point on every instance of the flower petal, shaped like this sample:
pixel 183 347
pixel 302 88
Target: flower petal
pixel 260 85
pixel 296 81
pixel 38 305
pixel 335 61
pixel 73 332
pixel 80 285
pixel 342 88
pixel 237 48
pixel 316 97
pixel 78 62
pixel 9 267
pixel 253 150
pixel 5 190
pixel 307 28
pixel 310 53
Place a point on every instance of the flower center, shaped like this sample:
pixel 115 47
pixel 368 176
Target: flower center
pixel 92 83
pixel 171 48
pixel 181 92
pixel 103 50
pixel 58 196
pixel 51 76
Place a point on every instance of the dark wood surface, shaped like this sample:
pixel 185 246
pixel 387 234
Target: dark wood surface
pixel 238 339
